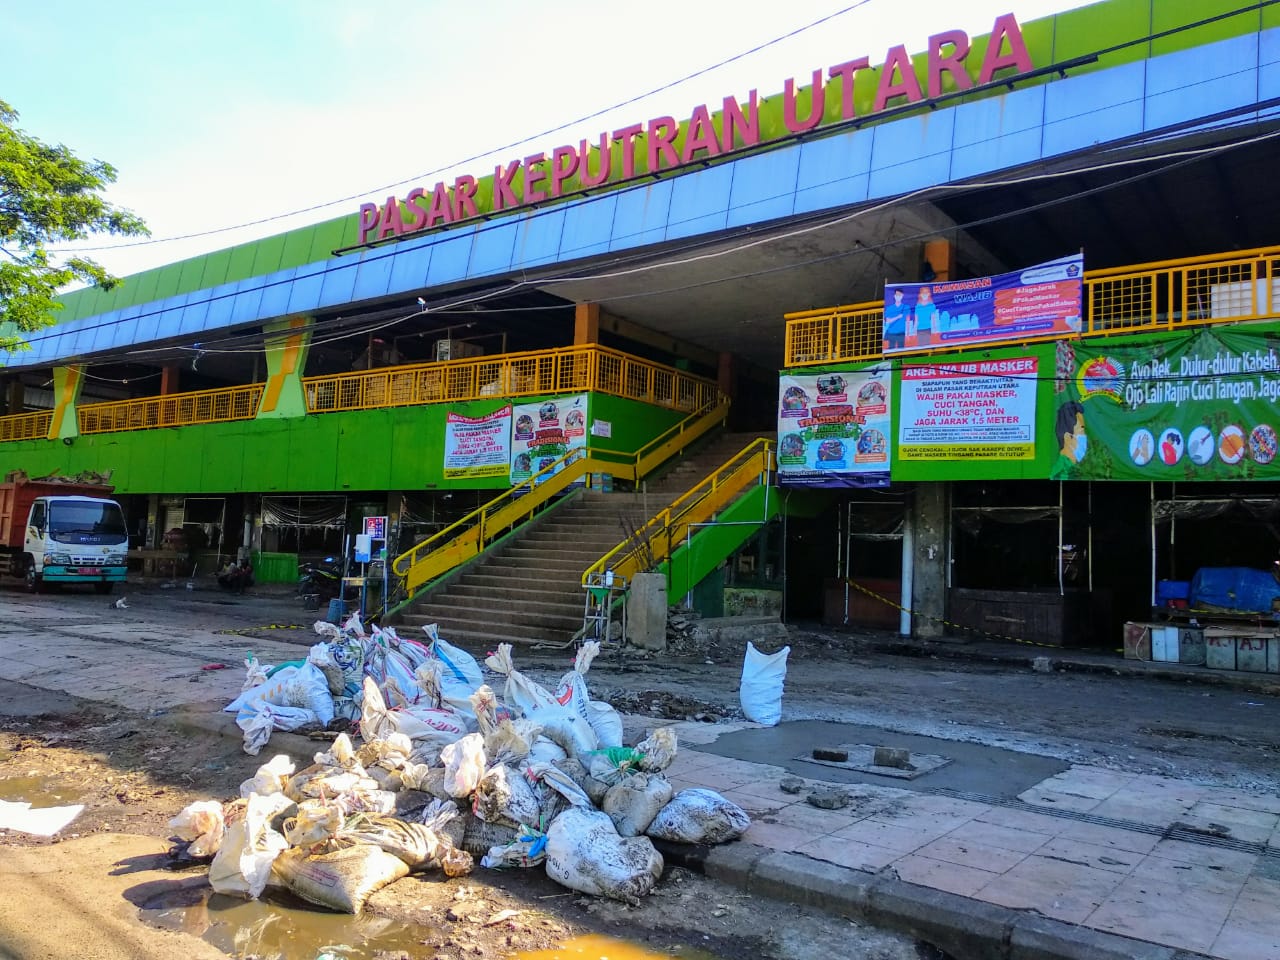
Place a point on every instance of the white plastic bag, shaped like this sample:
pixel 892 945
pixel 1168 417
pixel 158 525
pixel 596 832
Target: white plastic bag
pixel 659 749
pixel 270 778
pixel 762 678
pixel 201 823
pixel 585 853
pixel 463 764
pixel 698 815
pixel 258 720
pixel 242 865
pixel 254 673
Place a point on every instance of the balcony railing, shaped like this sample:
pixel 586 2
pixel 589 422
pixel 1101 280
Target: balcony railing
pixel 564 370
pixel 25 426
pixel 1162 296
pixel 172 410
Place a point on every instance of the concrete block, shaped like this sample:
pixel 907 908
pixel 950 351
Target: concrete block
pixel 1219 650
pixel 816 883
pixel 1273 655
pixel 1191 646
pixel 1137 641
pixel 1251 654
pixel 647 611
pixel 1042 938
pixel 732 863
pixel 954 924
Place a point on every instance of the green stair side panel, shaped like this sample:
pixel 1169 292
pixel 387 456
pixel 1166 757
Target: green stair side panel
pixel 711 546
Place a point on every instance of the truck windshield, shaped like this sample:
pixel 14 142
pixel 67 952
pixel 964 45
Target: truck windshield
pixel 72 522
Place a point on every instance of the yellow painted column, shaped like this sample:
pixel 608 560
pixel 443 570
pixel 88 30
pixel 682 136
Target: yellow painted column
pixel 66 391
pixel 286 351
pixel 586 324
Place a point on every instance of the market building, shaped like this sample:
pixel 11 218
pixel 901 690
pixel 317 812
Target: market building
pixel 980 338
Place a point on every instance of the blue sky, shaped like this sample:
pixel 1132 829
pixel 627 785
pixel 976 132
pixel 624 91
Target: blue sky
pixel 223 114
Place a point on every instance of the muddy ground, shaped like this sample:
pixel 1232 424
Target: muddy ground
pixel 134 771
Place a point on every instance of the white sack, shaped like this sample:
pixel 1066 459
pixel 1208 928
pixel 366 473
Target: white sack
pixel 698 815
pixel 762 678
pixel 585 853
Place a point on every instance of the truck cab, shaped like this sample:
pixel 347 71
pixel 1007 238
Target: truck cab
pixel 74 539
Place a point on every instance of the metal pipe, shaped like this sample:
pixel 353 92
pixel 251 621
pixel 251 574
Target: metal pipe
pixel 908 570
pixel 1061 588
pixel 1152 508
pixel 1089 547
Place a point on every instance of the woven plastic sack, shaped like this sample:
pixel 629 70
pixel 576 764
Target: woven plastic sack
pixel 342 879
pixel 249 847
pixel 464 763
pixel 762 679
pixel 698 815
pixel 585 853
pixel 201 823
pixel 633 803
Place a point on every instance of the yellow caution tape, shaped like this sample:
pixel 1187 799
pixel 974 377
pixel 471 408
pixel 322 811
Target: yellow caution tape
pixel 956 626
pixel 245 631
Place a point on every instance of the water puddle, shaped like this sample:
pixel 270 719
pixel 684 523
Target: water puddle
pixel 37 791
pixel 281 930
pixel 596 947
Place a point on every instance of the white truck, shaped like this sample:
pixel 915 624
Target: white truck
pixel 55 531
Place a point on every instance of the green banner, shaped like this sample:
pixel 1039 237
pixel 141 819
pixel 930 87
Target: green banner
pixel 1194 406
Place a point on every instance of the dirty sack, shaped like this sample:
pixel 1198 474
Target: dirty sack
pixel 242 865
pixel 417 844
pixel 585 853
pixel 270 778
pixel 561 723
pixel 635 801
pixel 460 674
pixel 377 721
pixel 504 794
pixel 202 824
pixel 698 815
pixel 341 879
pixel 571 693
pixel 529 849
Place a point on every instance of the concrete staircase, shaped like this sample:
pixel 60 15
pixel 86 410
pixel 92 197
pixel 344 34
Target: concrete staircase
pixel 529 590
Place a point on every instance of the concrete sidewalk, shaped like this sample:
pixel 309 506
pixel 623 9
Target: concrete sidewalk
pixel 1087 863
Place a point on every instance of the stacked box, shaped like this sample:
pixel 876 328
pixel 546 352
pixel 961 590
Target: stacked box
pixel 1251 654
pixel 1191 646
pixel 1137 641
pixel 1219 649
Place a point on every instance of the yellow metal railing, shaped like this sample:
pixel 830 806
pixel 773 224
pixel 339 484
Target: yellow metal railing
pixel 172 410
pixel 472 534
pixel 562 370
pixel 659 538
pixel 25 426
pixel 1165 295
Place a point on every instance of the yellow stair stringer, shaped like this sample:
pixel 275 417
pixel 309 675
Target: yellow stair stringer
pixel 470 536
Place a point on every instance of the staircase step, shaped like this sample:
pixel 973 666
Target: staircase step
pixel 550 603
pixel 460 590
pixel 495 581
pixel 543 626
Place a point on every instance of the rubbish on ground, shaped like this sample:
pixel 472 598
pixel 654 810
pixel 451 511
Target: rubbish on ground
pixel 698 815
pixel 828 798
pixel 585 853
pixel 762 680
pixel 201 823
pixel 516 781
pixel 836 756
pixel 883 757
pixel 38 822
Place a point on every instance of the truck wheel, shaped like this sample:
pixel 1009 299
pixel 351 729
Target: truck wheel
pixel 35 582
pixel 103 588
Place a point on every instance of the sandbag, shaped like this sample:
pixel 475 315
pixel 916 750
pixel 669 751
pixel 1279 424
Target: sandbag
pixel 321 657
pixel 528 851
pixel 698 815
pixel 201 823
pixel 606 722
pixel 460 675
pixel 315 822
pixel 342 879
pixel 302 686
pixel 378 722
pixel 585 853
pixel 591 787
pixel 504 794
pixel 633 803
pixel 420 847
pixel 249 847
pixel 762 680
pixel 479 836
pixel 561 723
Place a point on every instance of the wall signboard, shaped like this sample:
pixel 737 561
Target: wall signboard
pixel 972 410
pixel 833 429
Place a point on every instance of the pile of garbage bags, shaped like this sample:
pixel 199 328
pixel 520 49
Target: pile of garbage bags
pixel 447 772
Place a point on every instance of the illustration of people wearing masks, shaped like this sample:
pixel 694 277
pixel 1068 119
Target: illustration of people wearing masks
pixel 1074 442
pixel 924 314
pixel 896 315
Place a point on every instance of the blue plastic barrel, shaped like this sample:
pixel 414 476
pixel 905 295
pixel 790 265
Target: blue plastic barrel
pixel 337 610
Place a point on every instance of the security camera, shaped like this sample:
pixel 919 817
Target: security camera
pixel 422 303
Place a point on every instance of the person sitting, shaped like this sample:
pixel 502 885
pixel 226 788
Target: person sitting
pixel 236 576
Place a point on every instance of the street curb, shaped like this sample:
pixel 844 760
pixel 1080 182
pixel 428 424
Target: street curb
pixel 962 927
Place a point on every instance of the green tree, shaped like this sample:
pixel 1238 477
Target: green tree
pixel 48 195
